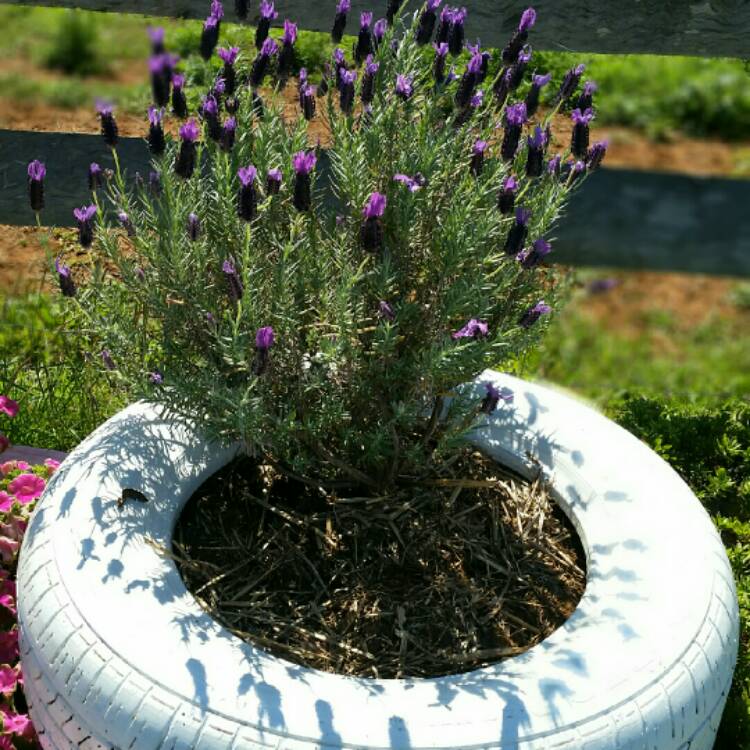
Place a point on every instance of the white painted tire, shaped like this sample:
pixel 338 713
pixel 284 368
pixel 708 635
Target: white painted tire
pixel 117 654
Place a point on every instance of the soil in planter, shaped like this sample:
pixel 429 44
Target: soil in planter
pixel 438 580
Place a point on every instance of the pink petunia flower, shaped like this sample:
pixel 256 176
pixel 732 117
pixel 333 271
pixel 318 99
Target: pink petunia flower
pixel 8 646
pixel 6 501
pixel 19 724
pixel 8 679
pixel 52 464
pixel 9 406
pixel 8 550
pixel 9 603
pixel 27 487
pixel 9 466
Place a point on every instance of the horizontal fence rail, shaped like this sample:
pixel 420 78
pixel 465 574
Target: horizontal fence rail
pixel 618 218
pixel 709 28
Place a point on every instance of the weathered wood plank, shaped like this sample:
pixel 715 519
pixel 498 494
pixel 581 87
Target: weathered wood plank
pixel 710 28
pixel 619 218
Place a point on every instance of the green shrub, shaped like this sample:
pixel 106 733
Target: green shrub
pixel 74 49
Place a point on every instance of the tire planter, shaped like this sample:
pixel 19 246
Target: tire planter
pixel 117 654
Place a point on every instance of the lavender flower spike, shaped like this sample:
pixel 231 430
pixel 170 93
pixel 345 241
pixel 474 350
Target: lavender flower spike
pixel 472 330
pixel 85 218
pixel 156 35
pixel 427 22
pixel 156 141
pixel 517 234
pixel 307 101
pixel 36 172
pixel 185 164
pixel 535 154
pixel 108 124
pixel 209 36
pixel 273 181
pixel 193 227
pixel 234 285
pixel 515 116
pixel 179 102
pixel 303 164
pixel 570 82
pixel 456 34
pixel 368 81
pixel 579 142
pixel 596 155
pixel 477 157
pixel 228 133
pixel 247 197
pixel 260 65
pixel 404 87
pixel 371 232
pixel 267 14
pixel 533 314
pixel 515 45
pixel 532 97
pixel 586 99
pixel 264 340
pixel 160 69
pixel 438 66
pixel 286 55
pixel 491 400
pixel 67 287
pixel 378 31
pixel 506 198
pixel 126 223
pixel 229 57
pixel 339 22
pixel 346 93
pixel 412 183
pixel 365 44
pixel 533 257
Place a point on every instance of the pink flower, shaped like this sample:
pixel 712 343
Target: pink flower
pixel 4 443
pixel 52 464
pixel 8 679
pixel 27 487
pixel 9 406
pixel 9 602
pixel 8 550
pixel 9 466
pixel 14 528
pixel 19 724
pixel 8 647
pixel 6 501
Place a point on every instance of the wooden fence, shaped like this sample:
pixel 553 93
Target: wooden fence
pixel 620 218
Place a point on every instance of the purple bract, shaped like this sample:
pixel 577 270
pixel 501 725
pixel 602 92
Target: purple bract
pixel 247 174
pixel 264 338
pixel 375 206
pixel 304 162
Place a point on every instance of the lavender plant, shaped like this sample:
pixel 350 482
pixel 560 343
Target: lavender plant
pixel 327 318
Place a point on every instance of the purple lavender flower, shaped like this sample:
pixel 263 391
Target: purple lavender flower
pixel 533 256
pixel 156 35
pixel 491 400
pixel 179 102
pixel 404 86
pixel 267 14
pixel 94 176
pixel 515 116
pixel 273 181
pixel 156 141
pixel 286 55
pixel 474 329
pixel 210 36
pixel 247 197
pixel 515 45
pixel 264 340
pixel 586 98
pixel 476 101
pixel 339 22
pixel 307 101
pixel 533 314
pixel 185 164
pixel 126 223
pixel 516 71
pixel 209 111
pixel 386 311
pixel 501 86
pixel 107 360
pixel 506 198
pixel 444 27
pixel 378 31
pixel 67 287
pixel 596 155
pixel 427 22
pixel 535 153
pixel 532 97
pixel 36 172
pixel 517 234
pixel 412 183
pixel 260 64
pixel 85 218
pixel 371 231
pixel 469 81
pixel 553 166
pixel 160 70
pixel 217 9
pixel 570 83
pixel 303 164
pixel 364 46
pixel 438 67
pixel 346 93
pixel 228 134
pixel 579 141
pixel 477 157
pixel 193 227
pixel 234 284
pixel 108 123
pixel 154 182
pixel 228 56
pixel 456 34
pixel 155 378
pixel 368 81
